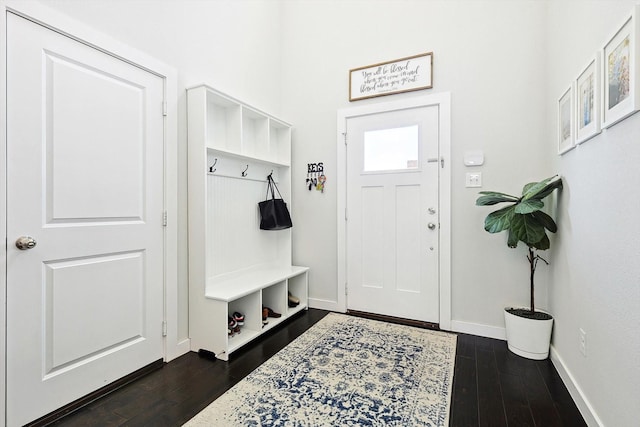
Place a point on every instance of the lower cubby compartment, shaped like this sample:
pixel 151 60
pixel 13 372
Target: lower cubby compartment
pixel 249 306
pixel 297 287
pixel 274 298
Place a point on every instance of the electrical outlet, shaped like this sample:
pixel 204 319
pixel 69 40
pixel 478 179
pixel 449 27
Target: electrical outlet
pixel 583 342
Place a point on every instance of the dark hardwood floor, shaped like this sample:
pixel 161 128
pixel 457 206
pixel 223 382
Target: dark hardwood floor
pixel 491 387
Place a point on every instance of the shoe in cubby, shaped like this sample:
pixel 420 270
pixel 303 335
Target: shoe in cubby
pixel 293 300
pixel 270 313
pixel 232 326
pixel 239 318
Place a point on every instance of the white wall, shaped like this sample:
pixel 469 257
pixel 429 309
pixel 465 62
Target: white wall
pixel 231 45
pixel 491 56
pixel 596 259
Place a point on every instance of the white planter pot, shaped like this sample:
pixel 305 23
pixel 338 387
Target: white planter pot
pixel 528 337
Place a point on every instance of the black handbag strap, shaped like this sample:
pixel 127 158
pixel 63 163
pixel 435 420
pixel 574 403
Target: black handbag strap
pixel 271 184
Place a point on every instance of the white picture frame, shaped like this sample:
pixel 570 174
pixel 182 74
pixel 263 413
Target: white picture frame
pixel 621 95
pixel 588 105
pixel 566 137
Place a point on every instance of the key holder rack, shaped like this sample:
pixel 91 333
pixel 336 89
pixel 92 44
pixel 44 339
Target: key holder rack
pixel 315 176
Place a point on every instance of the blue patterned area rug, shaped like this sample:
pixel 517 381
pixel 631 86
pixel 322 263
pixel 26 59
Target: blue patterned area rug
pixel 345 371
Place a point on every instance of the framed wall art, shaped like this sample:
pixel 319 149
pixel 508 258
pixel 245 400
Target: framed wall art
pixel 387 78
pixel 566 138
pixel 588 89
pixel 621 97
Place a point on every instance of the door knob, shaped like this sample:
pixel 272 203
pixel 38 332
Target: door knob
pixel 431 226
pixel 25 242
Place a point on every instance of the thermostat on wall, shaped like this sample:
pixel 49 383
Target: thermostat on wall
pixel 473 158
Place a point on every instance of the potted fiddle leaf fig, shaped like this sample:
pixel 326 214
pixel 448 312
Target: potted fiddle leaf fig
pixel 528 329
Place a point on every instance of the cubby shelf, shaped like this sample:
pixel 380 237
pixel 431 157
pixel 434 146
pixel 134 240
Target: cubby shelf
pixel 233 265
pixel 238 284
pixel 243 157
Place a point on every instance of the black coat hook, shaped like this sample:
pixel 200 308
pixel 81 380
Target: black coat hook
pixel 244 172
pixel 211 169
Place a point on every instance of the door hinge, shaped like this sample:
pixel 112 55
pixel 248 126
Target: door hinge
pixel 164 108
pixel 344 134
pixel 346 289
pixel 164 328
pixel 345 214
pixel 164 218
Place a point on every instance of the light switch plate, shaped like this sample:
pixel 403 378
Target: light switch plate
pixel 473 179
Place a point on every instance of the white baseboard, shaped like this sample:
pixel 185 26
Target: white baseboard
pixel 479 329
pixel 322 304
pixel 585 408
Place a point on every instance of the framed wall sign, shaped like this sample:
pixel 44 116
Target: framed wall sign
pixel 621 95
pixel 565 122
pixel 588 105
pixel 387 78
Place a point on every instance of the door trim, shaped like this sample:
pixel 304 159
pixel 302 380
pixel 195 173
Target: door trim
pixel 443 102
pixel 174 345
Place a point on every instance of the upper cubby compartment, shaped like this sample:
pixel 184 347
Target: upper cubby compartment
pixel 223 123
pixel 234 128
pixel 255 134
pixel 279 141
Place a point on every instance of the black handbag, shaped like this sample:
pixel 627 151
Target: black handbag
pixel 274 214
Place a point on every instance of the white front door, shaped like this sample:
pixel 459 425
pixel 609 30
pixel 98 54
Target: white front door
pixel 392 224
pixel 85 181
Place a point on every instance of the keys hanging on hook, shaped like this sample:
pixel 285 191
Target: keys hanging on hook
pixel 315 176
pixel 321 180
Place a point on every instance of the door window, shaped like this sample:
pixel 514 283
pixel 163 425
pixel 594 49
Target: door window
pixel 391 149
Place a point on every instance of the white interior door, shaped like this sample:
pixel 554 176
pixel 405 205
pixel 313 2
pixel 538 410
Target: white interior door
pixel 392 213
pixel 85 181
